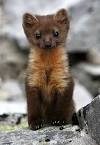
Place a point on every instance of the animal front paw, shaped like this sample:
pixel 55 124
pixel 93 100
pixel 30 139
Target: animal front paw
pixel 35 125
pixel 58 122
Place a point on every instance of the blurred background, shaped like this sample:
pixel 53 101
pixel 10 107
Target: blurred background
pixel 83 47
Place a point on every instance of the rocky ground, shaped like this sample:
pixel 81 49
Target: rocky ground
pixel 14 129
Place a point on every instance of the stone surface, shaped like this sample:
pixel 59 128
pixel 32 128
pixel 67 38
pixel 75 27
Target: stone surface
pixel 85 25
pixel 93 56
pixel 89 119
pixel 91 69
pixel 12 70
pixel 12 107
pixel 7 91
pixel 48 136
pixel 12 60
pixel 12 119
pixel 88 80
pixel 81 96
pixel 88 132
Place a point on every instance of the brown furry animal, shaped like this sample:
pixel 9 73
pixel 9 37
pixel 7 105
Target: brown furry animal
pixel 49 84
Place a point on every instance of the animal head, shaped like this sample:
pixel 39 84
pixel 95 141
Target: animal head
pixel 46 32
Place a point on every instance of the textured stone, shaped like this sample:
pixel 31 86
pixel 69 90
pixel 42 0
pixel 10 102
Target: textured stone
pixel 48 136
pixel 85 28
pixel 91 69
pixel 89 119
pixel 87 78
pixel 81 96
pixel 88 132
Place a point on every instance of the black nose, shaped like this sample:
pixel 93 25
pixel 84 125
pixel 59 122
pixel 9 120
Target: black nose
pixel 48 45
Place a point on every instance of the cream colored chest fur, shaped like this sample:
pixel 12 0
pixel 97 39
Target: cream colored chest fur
pixel 48 70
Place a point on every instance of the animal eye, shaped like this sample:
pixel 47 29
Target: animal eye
pixel 55 33
pixel 38 35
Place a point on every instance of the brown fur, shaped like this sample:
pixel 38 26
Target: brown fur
pixel 49 84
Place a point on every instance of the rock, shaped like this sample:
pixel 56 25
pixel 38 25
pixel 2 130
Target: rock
pixel 91 69
pixel 94 56
pixel 89 119
pixel 76 57
pixel 90 82
pixel 81 96
pixel 12 107
pixel 85 26
pixel 11 90
pixel 1 18
pixel 48 135
pixel 86 140
pixel 87 133
pixel 12 70
pixel 89 76
pixel 12 119
pixel 12 60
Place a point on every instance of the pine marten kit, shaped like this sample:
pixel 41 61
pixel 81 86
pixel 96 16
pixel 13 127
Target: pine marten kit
pixel 49 83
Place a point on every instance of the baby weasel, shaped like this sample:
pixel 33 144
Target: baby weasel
pixel 49 83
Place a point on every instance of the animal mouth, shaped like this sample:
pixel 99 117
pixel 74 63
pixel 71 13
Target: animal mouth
pixel 49 46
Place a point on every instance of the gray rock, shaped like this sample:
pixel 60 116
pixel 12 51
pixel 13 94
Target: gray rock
pixel 91 69
pixel 94 56
pixel 85 26
pixel 1 18
pixel 89 119
pixel 86 140
pixel 90 82
pixel 89 122
pixel 7 91
pixel 48 135
pixel 12 107
pixel 81 96
pixel 12 70
pixel 12 60
pixel 12 119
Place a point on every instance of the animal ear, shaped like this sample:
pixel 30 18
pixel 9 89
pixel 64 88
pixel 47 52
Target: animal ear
pixel 29 20
pixel 62 17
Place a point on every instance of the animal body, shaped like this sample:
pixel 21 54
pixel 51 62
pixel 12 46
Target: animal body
pixel 49 83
